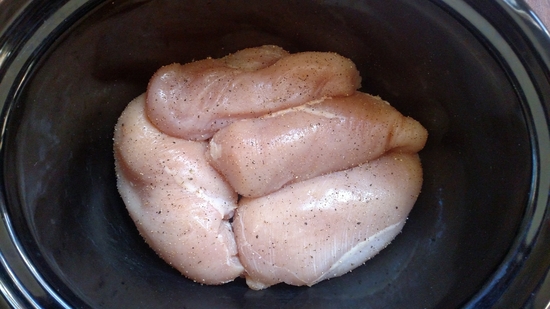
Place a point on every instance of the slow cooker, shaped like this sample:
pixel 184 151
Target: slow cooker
pixel 475 73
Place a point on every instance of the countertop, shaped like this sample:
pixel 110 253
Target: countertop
pixel 542 9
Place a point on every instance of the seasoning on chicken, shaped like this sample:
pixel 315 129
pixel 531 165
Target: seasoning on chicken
pixel 266 165
pixel 260 155
pixel 180 204
pixel 194 100
pixel 326 226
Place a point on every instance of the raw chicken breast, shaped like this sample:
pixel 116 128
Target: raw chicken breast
pixel 326 175
pixel 259 156
pixel 194 100
pixel 326 226
pixel 179 203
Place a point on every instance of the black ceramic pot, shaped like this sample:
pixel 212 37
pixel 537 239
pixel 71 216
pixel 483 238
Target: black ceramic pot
pixel 475 73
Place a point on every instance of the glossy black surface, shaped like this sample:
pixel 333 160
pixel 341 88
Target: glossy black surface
pixel 476 237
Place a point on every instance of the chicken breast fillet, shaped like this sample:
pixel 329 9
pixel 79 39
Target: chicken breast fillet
pixel 259 156
pixel 326 226
pixel 194 100
pixel 179 203
pixel 266 165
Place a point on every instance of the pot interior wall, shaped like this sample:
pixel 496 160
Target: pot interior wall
pixel 75 228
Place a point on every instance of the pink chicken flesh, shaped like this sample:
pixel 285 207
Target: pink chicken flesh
pixel 315 176
pixel 194 100
pixel 179 203
pixel 259 156
pixel 324 227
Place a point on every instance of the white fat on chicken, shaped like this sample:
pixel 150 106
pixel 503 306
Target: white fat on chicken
pixel 259 156
pixel 180 204
pixel 326 226
pixel 194 100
